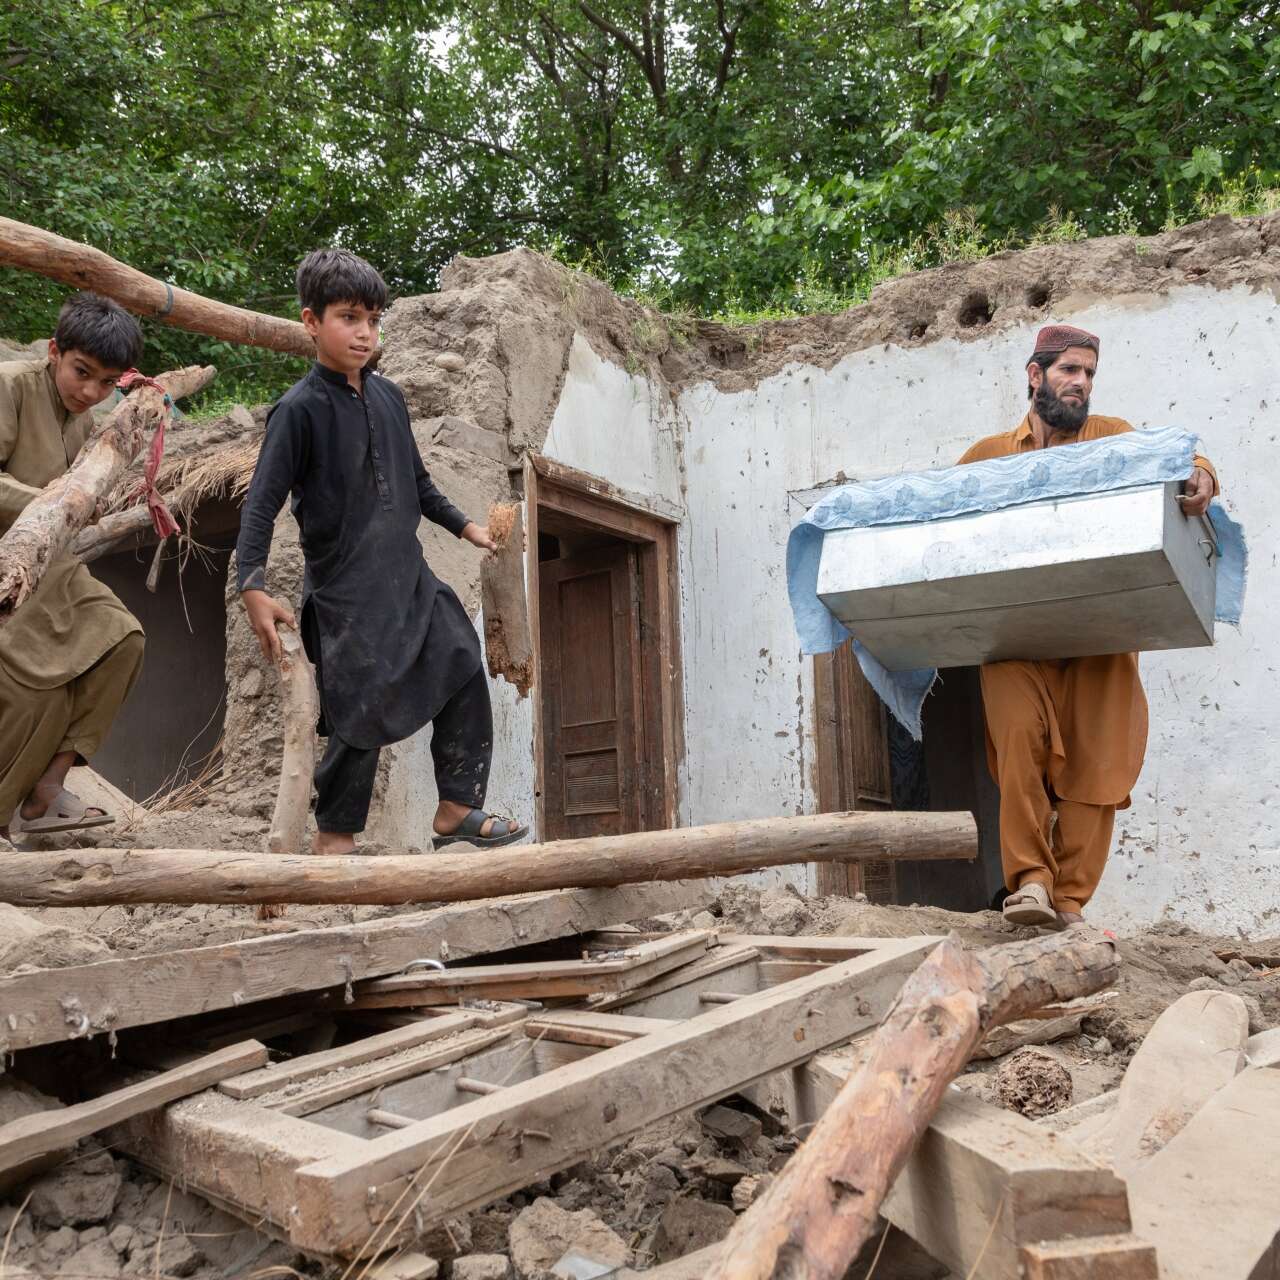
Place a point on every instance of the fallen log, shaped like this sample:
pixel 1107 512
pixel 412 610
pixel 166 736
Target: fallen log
pixel 83 267
pixel 97 877
pixel 50 521
pixel 508 648
pixel 825 1203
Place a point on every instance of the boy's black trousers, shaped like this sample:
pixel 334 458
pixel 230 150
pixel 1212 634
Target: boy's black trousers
pixel 461 750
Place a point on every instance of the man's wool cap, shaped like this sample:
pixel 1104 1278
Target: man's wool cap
pixel 1054 338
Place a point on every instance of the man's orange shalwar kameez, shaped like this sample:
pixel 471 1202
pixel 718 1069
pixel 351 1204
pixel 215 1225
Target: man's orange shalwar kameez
pixel 1066 735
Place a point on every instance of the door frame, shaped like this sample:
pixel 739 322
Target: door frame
pixel 600 505
pixel 841 692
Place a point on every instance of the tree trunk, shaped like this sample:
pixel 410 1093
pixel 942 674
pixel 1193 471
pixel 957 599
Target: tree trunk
pixel 82 267
pixel 825 1203
pixel 89 877
pixel 48 523
pixel 508 648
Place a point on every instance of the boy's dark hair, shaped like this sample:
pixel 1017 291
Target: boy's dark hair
pixel 100 328
pixel 337 275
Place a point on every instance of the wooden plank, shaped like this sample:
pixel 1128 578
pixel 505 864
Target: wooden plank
pixel 772 972
pixel 238 1154
pixel 487 1148
pixel 536 980
pixel 1119 1257
pixel 1210 1199
pixel 811 949
pixel 102 876
pixel 586 1027
pixel 276 1075
pixel 740 962
pixel 50 1005
pixel 325 1091
pixel 35 1135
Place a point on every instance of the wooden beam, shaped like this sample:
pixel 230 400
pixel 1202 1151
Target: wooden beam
pixel 46 526
pixel 1210 1199
pixel 824 1205
pixel 535 980
pixel 103 877
pixel 351 1082
pixel 597 1030
pixel 36 1135
pixel 48 1005
pixel 1120 1257
pixel 83 267
pixel 277 1075
pixel 488 1148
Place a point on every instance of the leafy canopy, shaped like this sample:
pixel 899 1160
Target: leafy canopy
pixel 715 155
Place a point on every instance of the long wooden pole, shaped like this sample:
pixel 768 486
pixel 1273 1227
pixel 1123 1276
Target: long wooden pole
pixel 83 267
pixel 825 1203
pixel 110 533
pixel 300 709
pixel 49 522
pixel 97 877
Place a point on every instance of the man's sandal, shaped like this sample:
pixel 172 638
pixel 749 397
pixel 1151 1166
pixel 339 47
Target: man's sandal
pixel 1030 905
pixel 67 812
pixel 470 827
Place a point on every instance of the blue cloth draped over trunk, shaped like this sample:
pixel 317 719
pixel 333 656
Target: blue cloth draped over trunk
pixel 1093 466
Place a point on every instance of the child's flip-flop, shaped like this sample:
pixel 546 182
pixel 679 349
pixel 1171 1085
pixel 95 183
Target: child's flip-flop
pixel 67 812
pixel 469 829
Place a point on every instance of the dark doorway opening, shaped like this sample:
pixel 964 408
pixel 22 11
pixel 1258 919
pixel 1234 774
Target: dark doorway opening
pixel 867 761
pixel 173 718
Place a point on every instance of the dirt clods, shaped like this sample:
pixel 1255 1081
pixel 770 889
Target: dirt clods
pixel 1033 1083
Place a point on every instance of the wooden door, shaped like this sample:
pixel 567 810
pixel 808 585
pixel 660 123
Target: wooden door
pixel 853 765
pixel 590 649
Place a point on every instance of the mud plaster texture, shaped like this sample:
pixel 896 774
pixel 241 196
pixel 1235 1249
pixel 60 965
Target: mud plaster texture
pixel 969 300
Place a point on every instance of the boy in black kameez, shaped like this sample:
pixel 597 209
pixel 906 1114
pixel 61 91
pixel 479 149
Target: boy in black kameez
pixel 392 645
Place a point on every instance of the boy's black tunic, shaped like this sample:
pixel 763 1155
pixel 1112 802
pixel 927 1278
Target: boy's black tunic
pixel 390 641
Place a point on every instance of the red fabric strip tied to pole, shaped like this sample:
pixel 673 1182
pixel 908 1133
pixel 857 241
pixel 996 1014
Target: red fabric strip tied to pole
pixel 161 517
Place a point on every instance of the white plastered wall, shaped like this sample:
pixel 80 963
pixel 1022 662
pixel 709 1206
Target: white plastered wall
pixel 1202 841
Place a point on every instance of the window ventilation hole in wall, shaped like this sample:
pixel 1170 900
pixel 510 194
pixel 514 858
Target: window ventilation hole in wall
pixel 975 310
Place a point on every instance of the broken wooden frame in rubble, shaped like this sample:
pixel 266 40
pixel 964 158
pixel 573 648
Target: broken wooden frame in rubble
pixel 351 1149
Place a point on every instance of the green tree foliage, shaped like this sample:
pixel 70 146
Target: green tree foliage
pixel 712 154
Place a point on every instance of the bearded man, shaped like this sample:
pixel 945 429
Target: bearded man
pixel 1065 738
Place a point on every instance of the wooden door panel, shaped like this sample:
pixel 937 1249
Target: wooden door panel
pixel 589 624
pixel 853 765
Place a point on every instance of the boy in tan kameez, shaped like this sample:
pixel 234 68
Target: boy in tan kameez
pixel 70 655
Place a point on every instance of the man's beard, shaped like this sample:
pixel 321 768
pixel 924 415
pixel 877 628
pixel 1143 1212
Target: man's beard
pixel 1057 414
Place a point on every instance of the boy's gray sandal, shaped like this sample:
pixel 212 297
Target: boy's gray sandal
pixel 469 829
pixel 67 813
